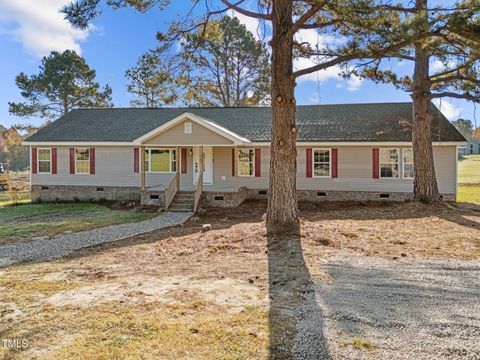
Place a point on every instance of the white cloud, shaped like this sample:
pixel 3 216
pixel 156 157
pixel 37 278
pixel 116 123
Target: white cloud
pixel 332 73
pixel 315 40
pixel 314 98
pixel 39 26
pixel 436 66
pixel 354 83
pixel 451 112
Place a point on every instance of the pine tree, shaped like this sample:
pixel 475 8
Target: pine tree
pixel 150 82
pixel 221 65
pixel 448 36
pixel 64 82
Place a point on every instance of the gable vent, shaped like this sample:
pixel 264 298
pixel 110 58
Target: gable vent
pixel 187 128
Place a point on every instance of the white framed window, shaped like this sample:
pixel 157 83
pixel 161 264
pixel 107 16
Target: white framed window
pixel 408 163
pixel 44 161
pixel 187 128
pixel 389 163
pixel 322 163
pixel 246 162
pixel 161 160
pixel 82 161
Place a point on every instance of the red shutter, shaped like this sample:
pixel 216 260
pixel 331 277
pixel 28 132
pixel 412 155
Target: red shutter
pixel 92 161
pixel 334 163
pixel 54 161
pixel 183 160
pixel 258 162
pixel 34 160
pixel 233 162
pixel 309 163
pixel 136 162
pixel 72 160
pixel 376 159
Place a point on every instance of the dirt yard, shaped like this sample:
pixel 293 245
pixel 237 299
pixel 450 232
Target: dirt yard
pixel 229 293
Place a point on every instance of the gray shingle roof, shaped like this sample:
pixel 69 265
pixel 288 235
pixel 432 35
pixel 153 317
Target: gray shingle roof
pixel 322 123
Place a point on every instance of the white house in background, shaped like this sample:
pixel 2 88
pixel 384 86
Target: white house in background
pixel 177 158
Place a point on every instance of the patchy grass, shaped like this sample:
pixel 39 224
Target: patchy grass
pixel 469 169
pixel 22 198
pixel 357 343
pixel 179 293
pixel 23 222
pixel 469 179
pixel 469 194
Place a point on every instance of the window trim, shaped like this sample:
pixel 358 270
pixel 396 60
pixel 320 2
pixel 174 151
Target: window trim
pixel 329 176
pixel 149 160
pixel 253 162
pixel 38 161
pixel 403 164
pixel 400 153
pixel 88 161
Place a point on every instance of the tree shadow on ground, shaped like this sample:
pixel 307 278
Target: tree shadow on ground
pixel 295 319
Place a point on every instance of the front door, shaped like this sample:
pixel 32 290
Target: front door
pixel 208 164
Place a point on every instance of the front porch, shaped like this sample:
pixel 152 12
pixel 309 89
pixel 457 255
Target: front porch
pixel 191 170
pixel 185 157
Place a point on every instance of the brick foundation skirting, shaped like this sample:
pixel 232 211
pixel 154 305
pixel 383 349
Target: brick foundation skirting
pixel 209 198
pixel 330 195
pixel 49 193
pixel 223 199
pixel 154 198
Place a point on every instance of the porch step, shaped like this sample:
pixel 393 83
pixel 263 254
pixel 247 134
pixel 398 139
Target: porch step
pixel 182 202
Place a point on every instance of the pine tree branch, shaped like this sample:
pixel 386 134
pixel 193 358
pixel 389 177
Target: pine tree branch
pixel 455 78
pixel 325 65
pixel 246 12
pixel 456 96
pixel 305 17
pixel 451 71
pixel 386 52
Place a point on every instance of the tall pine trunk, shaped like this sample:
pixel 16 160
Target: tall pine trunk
pixel 425 186
pixel 282 209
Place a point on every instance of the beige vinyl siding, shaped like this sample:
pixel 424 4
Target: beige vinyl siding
pixel 355 172
pixel 186 180
pixel 446 168
pixel 222 167
pixel 199 136
pixel 113 167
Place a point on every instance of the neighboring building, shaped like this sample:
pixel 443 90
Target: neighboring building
pixel 473 144
pixel 344 152
pixel 472 147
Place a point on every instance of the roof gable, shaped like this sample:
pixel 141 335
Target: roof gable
pixel 205 130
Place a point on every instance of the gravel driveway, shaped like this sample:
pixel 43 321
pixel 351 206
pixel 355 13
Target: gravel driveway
pixel 409 309
pixel 63 245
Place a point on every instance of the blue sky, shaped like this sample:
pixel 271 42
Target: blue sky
pixel 31 29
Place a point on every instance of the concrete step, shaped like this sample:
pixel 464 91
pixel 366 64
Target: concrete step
pixel 184 197
pixel 180 208
pixel 182 201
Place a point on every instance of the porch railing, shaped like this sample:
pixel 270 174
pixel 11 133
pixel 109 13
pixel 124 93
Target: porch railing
pixel 171 190
pixel 198 192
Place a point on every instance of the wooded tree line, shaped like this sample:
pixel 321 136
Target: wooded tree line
pixel 12 153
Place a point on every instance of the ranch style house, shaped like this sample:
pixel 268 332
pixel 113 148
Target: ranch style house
pixel 181 158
